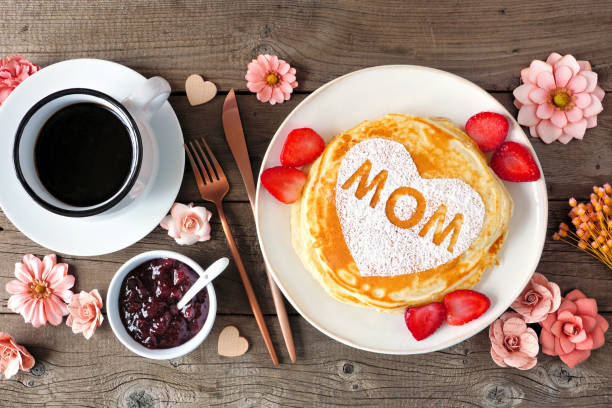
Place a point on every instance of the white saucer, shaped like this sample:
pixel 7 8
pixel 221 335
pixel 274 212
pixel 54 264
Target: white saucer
pixel 95 235
pixel 369 94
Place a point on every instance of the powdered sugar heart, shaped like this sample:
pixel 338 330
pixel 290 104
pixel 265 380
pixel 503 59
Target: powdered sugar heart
pixel 404 223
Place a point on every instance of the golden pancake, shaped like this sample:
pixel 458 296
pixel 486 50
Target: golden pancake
pixel 398 212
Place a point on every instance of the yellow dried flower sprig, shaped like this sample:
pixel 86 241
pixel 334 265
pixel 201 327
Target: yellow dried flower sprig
pixel 593 224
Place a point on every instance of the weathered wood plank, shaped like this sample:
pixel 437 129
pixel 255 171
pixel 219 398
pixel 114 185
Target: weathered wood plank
pixel 328 374
pixel 570 170
pixel 486 42
pixel 560 262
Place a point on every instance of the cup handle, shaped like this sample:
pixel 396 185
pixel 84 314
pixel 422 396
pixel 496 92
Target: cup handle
pixel 148 98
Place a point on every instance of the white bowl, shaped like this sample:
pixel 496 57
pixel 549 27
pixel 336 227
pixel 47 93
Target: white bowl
pixel 112 309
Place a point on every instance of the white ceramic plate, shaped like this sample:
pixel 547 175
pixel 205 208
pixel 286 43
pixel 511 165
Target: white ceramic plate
pixel 369 94
pixel 99 234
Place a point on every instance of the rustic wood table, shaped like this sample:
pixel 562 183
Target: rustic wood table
pixel 486 43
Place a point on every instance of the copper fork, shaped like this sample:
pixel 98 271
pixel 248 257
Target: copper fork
pixel 213 186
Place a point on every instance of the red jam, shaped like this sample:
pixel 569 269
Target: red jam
pixel 147 304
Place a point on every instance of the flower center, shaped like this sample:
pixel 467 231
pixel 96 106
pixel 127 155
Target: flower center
pixel 531 298
pixel 39 289
pixel 511 343
pixel 570 329
pixel 272 79
pixel 562 99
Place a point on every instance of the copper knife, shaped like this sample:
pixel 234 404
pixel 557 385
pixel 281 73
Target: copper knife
pixel 237 143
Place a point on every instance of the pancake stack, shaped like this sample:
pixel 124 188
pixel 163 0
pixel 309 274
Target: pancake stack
pixel 414 235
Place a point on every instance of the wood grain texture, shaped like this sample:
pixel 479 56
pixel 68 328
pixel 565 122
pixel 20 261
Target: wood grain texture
pixel 72 371
pixel 486 42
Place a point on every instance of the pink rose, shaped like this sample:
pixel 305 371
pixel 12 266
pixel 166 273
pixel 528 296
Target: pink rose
pixel 85 315
pixel 13 71
pixel 187 224
pixel 513 343
pixel 574 330
pixel 13 357
pixel 539 298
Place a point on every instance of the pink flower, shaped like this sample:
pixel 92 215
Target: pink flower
pixel 41 290
pixel 559 99
pixel 85 315
pixel 513 343
pixel 539 298
pixel 574 330
pixel 13 71
pixel 271 79
pixel 187 224
pixel 13 357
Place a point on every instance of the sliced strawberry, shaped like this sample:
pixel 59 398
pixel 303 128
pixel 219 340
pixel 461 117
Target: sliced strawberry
pixel 422 321
pixel 302 146
pixel 284 183
pixel 487 129
pixel 513 162
pixel 465 305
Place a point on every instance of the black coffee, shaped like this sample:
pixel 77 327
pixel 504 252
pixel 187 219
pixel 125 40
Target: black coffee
pixel 83 154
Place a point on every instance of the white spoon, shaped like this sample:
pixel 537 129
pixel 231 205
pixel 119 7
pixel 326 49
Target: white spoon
pixel 210 273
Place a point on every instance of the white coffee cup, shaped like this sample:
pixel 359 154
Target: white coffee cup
pixel 135 112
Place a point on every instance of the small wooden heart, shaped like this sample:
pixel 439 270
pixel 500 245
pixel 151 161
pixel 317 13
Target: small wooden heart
pixel 231 344
pixel 198 90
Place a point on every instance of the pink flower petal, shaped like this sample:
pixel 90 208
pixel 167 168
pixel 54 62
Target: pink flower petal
pixel 566 345
pixel 539 96
pixel 532 131
pixel 548 322
pixel 577 84
pixel 527 116
pixel 49 262
pixel 536 68
pixel 589 323
pixel 568 61
pixel 545 111
pixel 39 317
pixel 179 211
pixel 586 344
pixel 277 95
pixel 591 80
pixel 599 93
pixel 56 274
pixel 565 138
pixel 252 76
pixel 23 273
pixel 567 304
pixel 553 58
pixel 65 283
pixel 529 343
pixel 594 108
pixel 580 337
pixel 577 129
pixel 602 323
pixel 546 80
pixel 591 122
pixel 521 93
pixel 562 76
pixel 265 94
pixel 586 306
pixel 585 65
pixel 547 340
pixel 283 68
pixel 289 77
pixel 558 119
pixel 34 265
pixel 263 62
pixel 582 100
pixel 557 328
pixel 532 362
pixel 53 313
pixel 576 357
pixel 525 75
pixel 187 239
pixel 256 86
pixel 548 132
pixel 497 359
pixel 17 302
pixel 517 359
pixel 514 326
pixel 574 295
pixel 16 287
pixel 598 338
pixel 574 114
